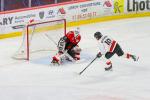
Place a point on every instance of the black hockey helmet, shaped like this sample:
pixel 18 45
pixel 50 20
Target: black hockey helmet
pixel 98 35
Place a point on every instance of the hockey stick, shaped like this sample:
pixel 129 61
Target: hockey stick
pixel 88 65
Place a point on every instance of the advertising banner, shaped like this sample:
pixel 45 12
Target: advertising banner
pixel 71 12
pixel 135 6
pixel 13 22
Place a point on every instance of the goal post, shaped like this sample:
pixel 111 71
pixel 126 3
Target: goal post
pixel 40 37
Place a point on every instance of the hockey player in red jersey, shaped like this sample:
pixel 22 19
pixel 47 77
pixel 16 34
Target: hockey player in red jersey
pixel 108 47
pixel 68 48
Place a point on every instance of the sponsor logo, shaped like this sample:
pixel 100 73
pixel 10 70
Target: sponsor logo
pixel 61 11
pixel 108 7
pixel 107 3
pixel 50 14
pixel 84 10
pixel 136 5
pixel 90 5
pixel 118 6
pixel 84 6
pixel 6 21
pixel 41 14
pixel 18 26
pixel 84 16
pixel 23 18
pixel 73 7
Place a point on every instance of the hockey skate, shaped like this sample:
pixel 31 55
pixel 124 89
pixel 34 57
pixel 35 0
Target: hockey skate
pixel 135 58
pixel 108 68
pixel 55 63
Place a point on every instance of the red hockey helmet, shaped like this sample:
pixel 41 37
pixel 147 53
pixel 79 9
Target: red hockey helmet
pixel 73 36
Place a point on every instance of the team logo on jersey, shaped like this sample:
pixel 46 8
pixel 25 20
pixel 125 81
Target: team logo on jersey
pixel 41 14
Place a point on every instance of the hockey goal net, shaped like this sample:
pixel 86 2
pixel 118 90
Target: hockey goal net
pixel 40 37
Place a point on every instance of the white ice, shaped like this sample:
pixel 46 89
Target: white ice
pixel 37 80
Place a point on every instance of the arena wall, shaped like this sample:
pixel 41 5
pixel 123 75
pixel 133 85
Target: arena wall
pixel 76 14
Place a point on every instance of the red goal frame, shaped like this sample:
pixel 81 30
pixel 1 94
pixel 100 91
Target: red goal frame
pixel 32 24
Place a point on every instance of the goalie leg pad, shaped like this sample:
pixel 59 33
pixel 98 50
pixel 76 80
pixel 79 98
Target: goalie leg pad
pixel 77 56
pixel 76 52
pixel 57 58
pixel 77 49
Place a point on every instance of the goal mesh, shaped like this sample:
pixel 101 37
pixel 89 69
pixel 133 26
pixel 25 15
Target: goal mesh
pixel 39 38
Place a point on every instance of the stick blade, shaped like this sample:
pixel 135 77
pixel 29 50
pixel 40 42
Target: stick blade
pixel 80 73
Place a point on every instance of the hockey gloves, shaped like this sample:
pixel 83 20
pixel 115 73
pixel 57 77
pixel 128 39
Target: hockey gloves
pixel 99 55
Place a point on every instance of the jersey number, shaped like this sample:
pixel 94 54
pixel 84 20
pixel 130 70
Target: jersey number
pixel 108 41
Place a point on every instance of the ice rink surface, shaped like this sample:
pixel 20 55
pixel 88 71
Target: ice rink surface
pixel 37 80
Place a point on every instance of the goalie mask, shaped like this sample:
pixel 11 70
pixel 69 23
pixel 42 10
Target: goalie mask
pixel 77 31
pixel 98 35
pixel 73 37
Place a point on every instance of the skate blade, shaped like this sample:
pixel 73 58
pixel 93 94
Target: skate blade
pixel 54 64
pixel 137 59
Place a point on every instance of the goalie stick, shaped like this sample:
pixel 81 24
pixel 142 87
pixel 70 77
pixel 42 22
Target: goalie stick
pixel 88 65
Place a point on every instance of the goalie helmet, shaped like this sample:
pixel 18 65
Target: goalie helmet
pixel 73 37
pixel 98 35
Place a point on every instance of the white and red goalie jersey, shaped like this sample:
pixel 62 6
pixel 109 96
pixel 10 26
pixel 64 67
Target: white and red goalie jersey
pixel 106 44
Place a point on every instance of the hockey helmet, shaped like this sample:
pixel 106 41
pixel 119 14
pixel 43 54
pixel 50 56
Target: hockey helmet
pixel 98 35
pixel 73 37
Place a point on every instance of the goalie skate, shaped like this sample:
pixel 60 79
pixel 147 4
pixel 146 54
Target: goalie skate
pixel 55 63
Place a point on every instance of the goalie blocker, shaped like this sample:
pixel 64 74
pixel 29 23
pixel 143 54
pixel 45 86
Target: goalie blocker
pixel 68 48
